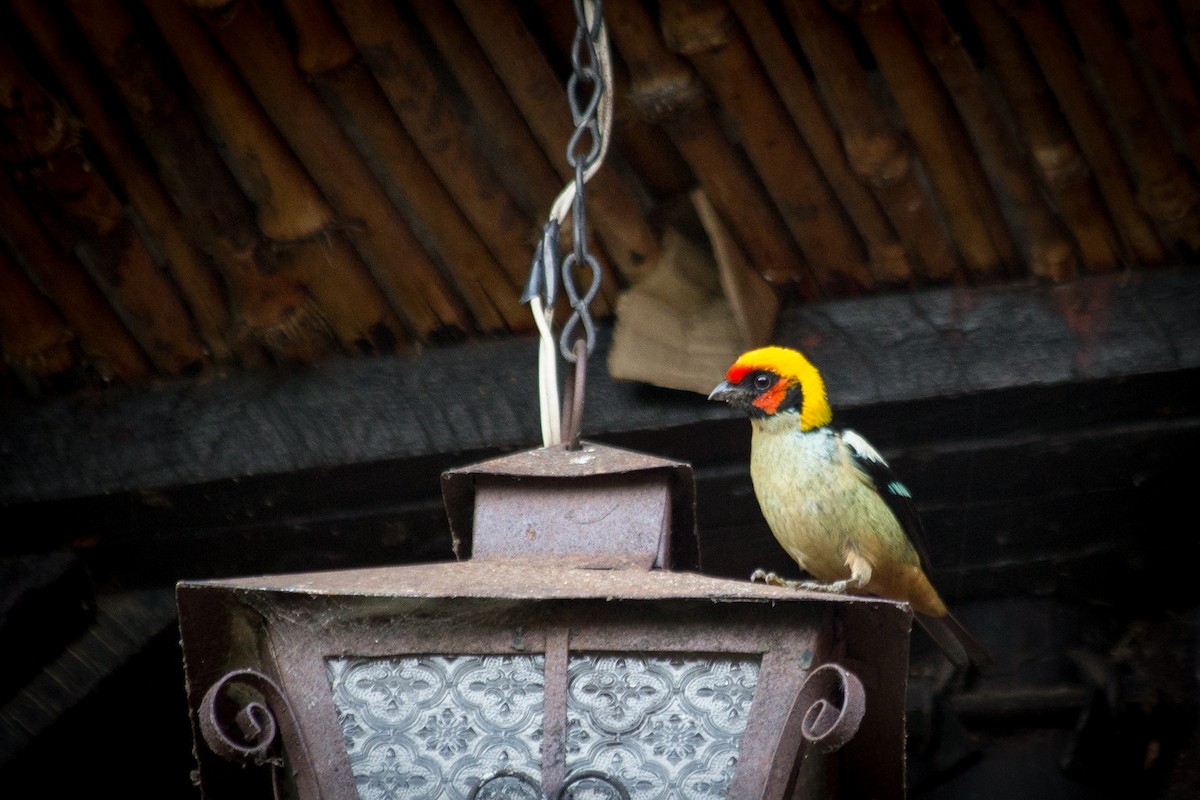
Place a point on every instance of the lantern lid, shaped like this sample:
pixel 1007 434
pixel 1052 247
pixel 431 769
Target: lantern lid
pixel 597 505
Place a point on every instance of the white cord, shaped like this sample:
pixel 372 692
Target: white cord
pixel 547 375
pixel 548 397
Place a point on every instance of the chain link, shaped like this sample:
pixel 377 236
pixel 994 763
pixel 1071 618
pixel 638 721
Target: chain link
pixel 585 73
pixel 585 90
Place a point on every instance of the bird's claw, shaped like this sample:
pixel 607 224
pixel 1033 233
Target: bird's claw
pixel 772 579
pixel 762 576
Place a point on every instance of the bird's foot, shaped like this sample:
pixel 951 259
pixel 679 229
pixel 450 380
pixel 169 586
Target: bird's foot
pixel 837 587
pixel 772 579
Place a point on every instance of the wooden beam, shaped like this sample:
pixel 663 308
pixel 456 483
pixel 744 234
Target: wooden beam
pixel 482 397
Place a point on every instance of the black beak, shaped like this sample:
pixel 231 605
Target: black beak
pixel 725 392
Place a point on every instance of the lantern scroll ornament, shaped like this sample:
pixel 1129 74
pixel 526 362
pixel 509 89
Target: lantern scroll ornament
pixel 260 714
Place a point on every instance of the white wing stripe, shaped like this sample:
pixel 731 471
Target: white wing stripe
pixel 862 447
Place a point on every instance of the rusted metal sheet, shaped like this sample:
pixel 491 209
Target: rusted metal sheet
pixel 613 506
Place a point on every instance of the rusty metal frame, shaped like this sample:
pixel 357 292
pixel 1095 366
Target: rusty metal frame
pixel 820 655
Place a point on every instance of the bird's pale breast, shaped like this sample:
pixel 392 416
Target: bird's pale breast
pixel 820 508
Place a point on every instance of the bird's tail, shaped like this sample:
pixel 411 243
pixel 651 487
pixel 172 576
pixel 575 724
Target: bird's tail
pixel 955 641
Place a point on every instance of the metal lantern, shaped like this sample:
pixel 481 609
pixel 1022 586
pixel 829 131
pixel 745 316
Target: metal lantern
pixel 572 651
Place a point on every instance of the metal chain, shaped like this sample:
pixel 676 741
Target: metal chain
pixel 580 305
pixel 589 95
pixel 585 90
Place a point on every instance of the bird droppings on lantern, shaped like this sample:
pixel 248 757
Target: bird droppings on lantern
pixel 590 659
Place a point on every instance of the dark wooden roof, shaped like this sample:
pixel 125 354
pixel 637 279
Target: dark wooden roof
pixel 213 186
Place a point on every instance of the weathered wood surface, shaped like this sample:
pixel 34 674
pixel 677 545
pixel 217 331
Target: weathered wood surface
pixel 483 396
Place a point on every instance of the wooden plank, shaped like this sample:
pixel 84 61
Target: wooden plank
pixel 483 396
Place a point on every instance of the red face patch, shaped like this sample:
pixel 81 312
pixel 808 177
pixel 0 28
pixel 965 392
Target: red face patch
pixel 769 400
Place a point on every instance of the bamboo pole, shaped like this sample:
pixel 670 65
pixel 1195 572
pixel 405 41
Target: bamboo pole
pixel 268 311
pixel 517 157
pixel 290 209
pixel 287 204
pixel 421 101
pixel 1054 153
pixel 875 147
pixel 1049 252
pixel 708 35
pixel 666 90
pixel 664 173
pixel 1154 33
pixel 38 125
pixel 1060 69
pixel 330 59
pixel 410 280
pixel 425 105
pixel 1165 188
pixel 35 341
pixel 105 341
pixel 972 210
pixel 890 259
pixel 613 207
pixel 198 283
pixel 512 149
pixel 490 291
pixel 91 221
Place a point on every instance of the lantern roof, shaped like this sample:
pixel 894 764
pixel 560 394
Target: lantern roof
pixel 511 579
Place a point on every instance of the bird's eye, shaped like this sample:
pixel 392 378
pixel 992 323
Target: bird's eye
pixel 762 381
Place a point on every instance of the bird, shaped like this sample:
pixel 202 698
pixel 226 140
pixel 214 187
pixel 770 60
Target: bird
pixel 831 500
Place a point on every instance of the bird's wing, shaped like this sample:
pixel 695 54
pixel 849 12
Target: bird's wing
pixel 958 644
pixel 868 460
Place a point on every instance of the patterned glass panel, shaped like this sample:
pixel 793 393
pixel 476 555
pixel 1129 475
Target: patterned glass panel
pixel 430 727
pixel 666 728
